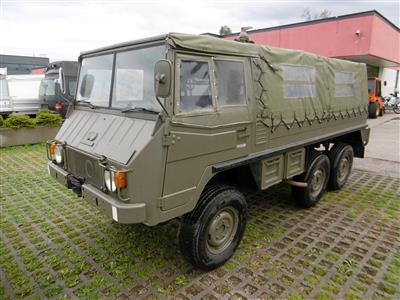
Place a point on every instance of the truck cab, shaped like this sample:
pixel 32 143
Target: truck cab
pixel 375 106
pixel 175 126
pixel 57 88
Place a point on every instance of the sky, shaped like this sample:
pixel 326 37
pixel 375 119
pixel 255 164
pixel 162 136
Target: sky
pixel 61 29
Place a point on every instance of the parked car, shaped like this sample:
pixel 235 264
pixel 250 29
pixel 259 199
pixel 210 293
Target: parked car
pixel 57 89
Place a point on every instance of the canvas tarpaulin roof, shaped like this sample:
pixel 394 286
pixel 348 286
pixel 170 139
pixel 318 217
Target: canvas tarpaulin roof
pixel 292 86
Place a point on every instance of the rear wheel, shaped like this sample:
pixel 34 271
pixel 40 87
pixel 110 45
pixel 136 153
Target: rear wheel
pixel 316 176
pixel 210 234
pixel 373 110
pixel 341 159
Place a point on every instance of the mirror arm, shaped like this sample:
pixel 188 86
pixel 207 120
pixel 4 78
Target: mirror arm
pixel 162 105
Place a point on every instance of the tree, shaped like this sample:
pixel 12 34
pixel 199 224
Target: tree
pixel 308 15
pixel 224 30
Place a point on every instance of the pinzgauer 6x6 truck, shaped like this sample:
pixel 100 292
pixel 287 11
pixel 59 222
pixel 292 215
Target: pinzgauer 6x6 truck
pixel 174 126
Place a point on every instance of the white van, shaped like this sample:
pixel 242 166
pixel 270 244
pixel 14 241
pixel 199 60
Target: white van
pixel 19 94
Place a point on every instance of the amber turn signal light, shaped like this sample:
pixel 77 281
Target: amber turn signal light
pixel 119 179
pixel 52 148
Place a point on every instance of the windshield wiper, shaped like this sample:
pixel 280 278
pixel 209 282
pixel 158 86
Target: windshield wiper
pixel 87 102
pixel 139 109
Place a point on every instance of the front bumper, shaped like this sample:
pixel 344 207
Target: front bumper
pixel 126 213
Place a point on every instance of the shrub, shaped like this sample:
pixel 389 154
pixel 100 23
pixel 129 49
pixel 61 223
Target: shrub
pixel 18 121
pixel 1 121
pixel 48 119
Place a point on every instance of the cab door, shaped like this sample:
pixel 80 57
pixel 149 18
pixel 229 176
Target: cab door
pixel 211 121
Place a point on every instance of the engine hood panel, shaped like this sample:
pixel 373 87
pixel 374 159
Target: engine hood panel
pixel 117 138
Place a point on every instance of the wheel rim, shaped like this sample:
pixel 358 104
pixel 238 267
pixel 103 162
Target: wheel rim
pixel 343 168
pixel 317 182
pixel 377 111
pixel 222 230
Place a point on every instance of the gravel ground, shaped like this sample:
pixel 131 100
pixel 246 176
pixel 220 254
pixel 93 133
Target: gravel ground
pixel 54 245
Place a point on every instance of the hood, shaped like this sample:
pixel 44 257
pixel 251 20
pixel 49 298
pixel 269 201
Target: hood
pixel 117 138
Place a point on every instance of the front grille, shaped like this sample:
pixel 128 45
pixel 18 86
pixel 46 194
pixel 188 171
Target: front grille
pixel 83 166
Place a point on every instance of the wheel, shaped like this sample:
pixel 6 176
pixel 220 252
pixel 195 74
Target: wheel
pixel 373 110
pixel 209 235
pixel 341 159
pixel 316 176
pixel 396 108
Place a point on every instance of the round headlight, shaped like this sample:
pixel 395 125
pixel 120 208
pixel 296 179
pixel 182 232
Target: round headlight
pixel 109 181
pixel 58 154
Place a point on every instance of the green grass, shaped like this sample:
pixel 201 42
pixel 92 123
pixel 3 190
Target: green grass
pixel 295 296
pixel 55 244
pixel 311 279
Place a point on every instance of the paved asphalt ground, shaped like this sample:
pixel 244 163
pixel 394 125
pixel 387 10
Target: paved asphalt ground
pixel 54 245
pixel 383 151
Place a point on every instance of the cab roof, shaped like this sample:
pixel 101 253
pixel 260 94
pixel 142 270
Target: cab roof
pixel 201 43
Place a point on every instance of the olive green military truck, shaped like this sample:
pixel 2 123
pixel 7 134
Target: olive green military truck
pixel 174 126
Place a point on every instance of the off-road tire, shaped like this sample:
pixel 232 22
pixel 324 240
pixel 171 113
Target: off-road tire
pixel 194 237
pixel 318 165
pixel 373 110
pixel 341 159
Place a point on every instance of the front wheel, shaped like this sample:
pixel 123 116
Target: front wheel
pixel 210 234
pixel 316 176
pixel 373 110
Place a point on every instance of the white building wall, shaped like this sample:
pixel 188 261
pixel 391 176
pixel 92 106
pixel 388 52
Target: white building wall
pixel 388 75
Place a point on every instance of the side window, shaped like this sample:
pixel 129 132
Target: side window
pixel 344 84
pixel 299 81
pixel 229 76
pixel 195 87
pixel 71 87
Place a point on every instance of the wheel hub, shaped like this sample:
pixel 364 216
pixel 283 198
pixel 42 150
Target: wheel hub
pixel 343 169
pixel 317 181
pixel 222 229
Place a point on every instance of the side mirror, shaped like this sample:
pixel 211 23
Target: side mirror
pixel 385 83
pixel 60 81
pixel 162 78
pixel 86 85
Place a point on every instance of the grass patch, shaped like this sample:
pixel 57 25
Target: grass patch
pixel 311 279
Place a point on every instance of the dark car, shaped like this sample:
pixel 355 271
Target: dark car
pixel 57 89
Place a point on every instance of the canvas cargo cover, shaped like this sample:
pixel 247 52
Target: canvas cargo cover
pixel 292 86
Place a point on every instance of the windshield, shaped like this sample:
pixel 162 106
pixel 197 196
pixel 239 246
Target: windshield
pixel 47 87
pixel 95 80
pixel 133 83
pixel 370 86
